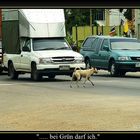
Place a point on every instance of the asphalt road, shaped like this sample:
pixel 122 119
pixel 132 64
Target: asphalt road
pixel 112 104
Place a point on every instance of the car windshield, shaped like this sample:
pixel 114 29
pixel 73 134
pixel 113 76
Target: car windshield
pixel 50 44
pixel 125 44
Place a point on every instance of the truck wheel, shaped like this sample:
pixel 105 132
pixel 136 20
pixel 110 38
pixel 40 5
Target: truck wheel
pixel 88 65
pixel 122 73
pixel 113 69
pixel 51 76
pixel 34 73
pixel 1 70
pixel 12 72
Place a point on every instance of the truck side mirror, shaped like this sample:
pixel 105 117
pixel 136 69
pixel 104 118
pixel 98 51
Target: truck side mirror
pixel 105 48
pixel 25 49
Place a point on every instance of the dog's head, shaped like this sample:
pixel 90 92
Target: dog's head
pixel 95 70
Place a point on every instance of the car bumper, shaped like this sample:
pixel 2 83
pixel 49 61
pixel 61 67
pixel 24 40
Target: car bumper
pixel 58 69
pixel 130 67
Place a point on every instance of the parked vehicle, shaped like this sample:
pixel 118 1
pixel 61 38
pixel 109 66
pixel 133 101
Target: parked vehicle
pixel 118 55
pixel 34 42
pixel 1 58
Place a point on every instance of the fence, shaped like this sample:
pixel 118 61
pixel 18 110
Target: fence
pixel 79 33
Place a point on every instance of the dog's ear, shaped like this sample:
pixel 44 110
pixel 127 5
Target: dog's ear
pixel 95 69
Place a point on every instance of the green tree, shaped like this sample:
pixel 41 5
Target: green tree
pixel 79 17
pixel 127 14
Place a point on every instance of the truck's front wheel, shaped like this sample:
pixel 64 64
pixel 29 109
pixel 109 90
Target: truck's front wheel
pixel 113 69
pixel 1 69
pixel 88 65
pixel 12 72
pixel 51 76
pixel 34 73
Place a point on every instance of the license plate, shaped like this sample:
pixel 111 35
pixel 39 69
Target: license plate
pixel 137 64
pixel 65 67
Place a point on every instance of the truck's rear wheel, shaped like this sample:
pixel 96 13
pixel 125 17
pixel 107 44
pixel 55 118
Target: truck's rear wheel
pixel 1 70
pixel 34 73
pixel 12 72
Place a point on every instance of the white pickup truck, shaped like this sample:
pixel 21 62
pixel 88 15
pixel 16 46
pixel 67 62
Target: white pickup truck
pixel 38 52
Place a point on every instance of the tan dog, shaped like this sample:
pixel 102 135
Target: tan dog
pixel 78 74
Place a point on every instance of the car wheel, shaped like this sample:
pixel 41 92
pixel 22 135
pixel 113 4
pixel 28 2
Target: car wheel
pixel 122 73
pixel 34 73
pixel 88 64
pixel 1 70
pixel 51 76
pixel 113 69
pixel 12 72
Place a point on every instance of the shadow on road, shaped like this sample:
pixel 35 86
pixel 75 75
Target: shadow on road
pixel 44 79
pixel 26 78
pixel 128 75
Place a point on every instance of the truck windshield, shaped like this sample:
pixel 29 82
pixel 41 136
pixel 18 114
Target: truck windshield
pixel 0 44
pixel 50 44
pixel 125 44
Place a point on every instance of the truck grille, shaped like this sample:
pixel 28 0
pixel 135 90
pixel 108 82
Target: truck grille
pixel 135 58
pixel 64 59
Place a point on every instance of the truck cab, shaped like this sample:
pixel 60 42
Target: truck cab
pixel 37 48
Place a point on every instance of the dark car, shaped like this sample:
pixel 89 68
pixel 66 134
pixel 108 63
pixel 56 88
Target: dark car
pixel 118 55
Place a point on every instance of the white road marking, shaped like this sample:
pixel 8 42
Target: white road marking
pixel 6 84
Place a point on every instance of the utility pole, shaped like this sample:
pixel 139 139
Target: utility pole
pixel 91 17
pixel 107 17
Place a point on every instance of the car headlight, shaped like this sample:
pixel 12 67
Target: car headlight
pixel 79 59
pixel 45 60
pixel 122 58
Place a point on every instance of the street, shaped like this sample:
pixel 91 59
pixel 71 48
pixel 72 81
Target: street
pixel 113 104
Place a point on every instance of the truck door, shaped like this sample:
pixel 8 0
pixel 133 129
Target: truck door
pixel 25 56
pixel 103 54
pixel 96 45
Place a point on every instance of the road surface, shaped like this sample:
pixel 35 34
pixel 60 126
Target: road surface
pixel 113 104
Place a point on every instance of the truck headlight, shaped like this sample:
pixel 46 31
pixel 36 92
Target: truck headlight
pixel 45 60
pixel 79 59
pixel 122 58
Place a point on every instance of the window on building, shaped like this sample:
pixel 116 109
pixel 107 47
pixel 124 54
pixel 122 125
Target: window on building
pixel 99 14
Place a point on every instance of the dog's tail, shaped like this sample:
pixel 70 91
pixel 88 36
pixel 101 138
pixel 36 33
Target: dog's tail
pixel 77 68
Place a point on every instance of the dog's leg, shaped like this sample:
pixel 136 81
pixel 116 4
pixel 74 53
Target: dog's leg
pixel 71 84
pixel 77 83
pixel 71 81
pixel 90 81
pixel 84 82
pixel 78 79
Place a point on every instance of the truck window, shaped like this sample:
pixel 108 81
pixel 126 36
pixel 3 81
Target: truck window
pixel 0 51
pixel 50 44
pixel 125 44
pixel 88 42
pixel 96 45
pixel 105 43
pixel 28 44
